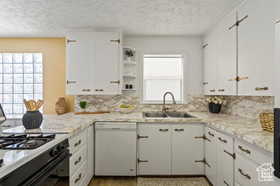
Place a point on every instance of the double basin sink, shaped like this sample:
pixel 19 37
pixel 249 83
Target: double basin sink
pixel 167 115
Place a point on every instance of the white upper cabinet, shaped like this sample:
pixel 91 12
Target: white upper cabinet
pixel 277 11
pixel 226 57
pixel 210 64
pixel 256 47
pixel 93 63
pixel 80 58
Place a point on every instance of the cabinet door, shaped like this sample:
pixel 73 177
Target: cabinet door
pixel 276 66
pixel 90 155
pixel 211 156
pixel 80 57
pixel 210 64
pixel 187 148
pixel 106 69
pixel 227 59
pixel 154 149
pixel 256 47
pixel 225 160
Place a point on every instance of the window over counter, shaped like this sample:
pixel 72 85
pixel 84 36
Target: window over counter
pixel 21 77
pixel 162 73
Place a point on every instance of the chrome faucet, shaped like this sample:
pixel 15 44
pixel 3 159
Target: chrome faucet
pixel 164 109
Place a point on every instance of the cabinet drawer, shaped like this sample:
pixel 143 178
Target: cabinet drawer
pixel 78 178
pixel 76 142
pixel 252 153
pixel 246 171
pixel 77 160
pixel 226 142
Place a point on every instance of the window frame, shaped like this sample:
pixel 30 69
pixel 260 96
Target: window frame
pixel 147 102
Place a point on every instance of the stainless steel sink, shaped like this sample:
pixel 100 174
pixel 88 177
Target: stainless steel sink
pixel 167 115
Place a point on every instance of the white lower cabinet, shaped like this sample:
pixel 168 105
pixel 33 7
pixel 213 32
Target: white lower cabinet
pixel 154 149
pixel 211 155
pixel 187 150
pixel 170 149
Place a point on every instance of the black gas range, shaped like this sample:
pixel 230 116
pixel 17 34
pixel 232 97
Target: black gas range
pixel 41 168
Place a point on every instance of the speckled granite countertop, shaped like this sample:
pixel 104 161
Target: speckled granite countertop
pixel 242 128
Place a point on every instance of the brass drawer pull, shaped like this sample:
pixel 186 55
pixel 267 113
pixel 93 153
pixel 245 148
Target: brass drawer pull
pixel 221 90
pixel 202 137
pixel 78 161
pixel 232 155
pixel 99 90
pixel 178 130
pixel 261 88
pixel 244 174
pixel 142 161
pixel 71 82
pixel 205 83
pixel 238 78
pixel 163 130
pixel 79 177
pixel 86 90
pixel 244 150
pixel 222 140
pixel 211 134
pixel 203 161
pixel 71 41
pixel 78 143
pixel 226 183
pixel 116 82
pixel 142 137
pixel 213 90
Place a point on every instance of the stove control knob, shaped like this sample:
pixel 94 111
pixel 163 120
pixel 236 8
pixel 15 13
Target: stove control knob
pixel 54 152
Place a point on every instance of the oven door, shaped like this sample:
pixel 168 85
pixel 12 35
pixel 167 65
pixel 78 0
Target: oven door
pixel 44 177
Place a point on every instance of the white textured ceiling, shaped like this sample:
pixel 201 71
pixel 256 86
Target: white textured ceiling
pixel 134 17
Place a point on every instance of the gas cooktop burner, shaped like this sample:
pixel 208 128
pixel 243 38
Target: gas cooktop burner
pixel 27 141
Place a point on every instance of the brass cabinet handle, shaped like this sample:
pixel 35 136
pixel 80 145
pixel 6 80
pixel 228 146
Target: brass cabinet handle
pixel 202 137
pixel 115 82
pixel 178 130
pixel 86 90
pixel 205 83
pixel 238 78
pixel 226 183
pixel 203 161
pixel 142 161
pixel 213 90
pixel 78 161
pixel 222 140
pixel 116 40
pixel 221 90
pixel 78 143
pixel 141 137
pixel 261 88
pixel 79 177
pixel 163 130
pixel 232 155
pixel 70 82
pixel 244 150
pixel 244 174
pixel 71 41
pixel 99 90
pixel 211 134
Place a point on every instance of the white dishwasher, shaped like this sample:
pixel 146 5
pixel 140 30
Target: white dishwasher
pixel 115 149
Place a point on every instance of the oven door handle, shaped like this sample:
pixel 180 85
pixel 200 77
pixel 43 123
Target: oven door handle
pixel 44 173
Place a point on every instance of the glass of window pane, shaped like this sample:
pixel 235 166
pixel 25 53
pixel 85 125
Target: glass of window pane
pixel 17 108
pixel 38 57
pixel 1 58
pixel 1 78
pixel 28 68
pixel 8 78
pixel 38 68
pixel 28 78
pixel 18 88
pixel 18 78
pixel 7 68
pixel 18 98
pixel 8 108
pixel 8 98
pixel 8 88
pixel 38 96
pixel 38 88
pixel 18 57
pixel 18 68
pixel 28 88
pixel 28 96
pixel 28 58
pixel 7 58
pixel 1 68
pixel 1 98
pixel 38 78
pixel 1 88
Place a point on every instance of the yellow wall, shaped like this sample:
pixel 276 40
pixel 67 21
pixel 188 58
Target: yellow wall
pixel 53 50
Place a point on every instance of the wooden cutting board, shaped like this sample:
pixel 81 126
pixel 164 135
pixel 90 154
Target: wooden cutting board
pixel 101 112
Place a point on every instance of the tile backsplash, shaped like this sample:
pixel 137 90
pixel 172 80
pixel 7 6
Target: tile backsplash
pixel 244 106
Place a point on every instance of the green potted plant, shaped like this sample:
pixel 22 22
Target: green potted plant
pixel 83 105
